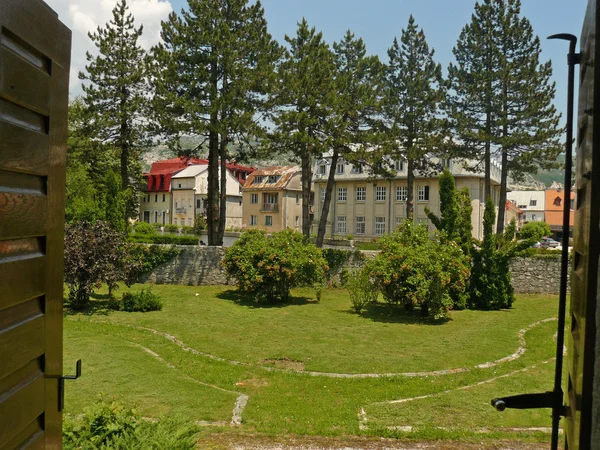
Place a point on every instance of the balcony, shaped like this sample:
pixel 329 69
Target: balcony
pixel 270 207
pixel 180 210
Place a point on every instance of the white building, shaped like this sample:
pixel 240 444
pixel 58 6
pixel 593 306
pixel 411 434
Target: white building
pixel 532 203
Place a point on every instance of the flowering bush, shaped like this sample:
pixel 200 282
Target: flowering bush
pixel 266 268
pixel 413 270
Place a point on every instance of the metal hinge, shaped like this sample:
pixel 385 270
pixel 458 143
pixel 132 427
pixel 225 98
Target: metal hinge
pixel 549 399
pixel 61 384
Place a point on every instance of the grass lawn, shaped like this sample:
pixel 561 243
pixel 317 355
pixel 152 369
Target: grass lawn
pixel 265 353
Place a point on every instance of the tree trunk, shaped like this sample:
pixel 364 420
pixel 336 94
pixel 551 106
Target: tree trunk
pixel 306 184
pixel 327 202
pixel 125 132
pixel 212 210
pixel 223 196
pixel 410 189
pixel 504 168
pixel 488 156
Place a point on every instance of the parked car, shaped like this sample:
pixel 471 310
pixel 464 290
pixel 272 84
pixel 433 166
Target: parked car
pixel 549 243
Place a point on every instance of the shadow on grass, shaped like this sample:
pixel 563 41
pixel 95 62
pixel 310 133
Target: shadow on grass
pixel 384 313
pixel 99 305
pixel 240 299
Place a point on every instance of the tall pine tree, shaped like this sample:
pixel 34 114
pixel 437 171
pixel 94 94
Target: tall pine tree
pixel 303 105
pixel 115 95
pixel 354 106
pixel 412 107
pixel 211 74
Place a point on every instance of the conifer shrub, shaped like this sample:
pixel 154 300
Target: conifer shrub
pixel 267 268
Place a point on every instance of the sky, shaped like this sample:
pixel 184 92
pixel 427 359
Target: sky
pixel 376 21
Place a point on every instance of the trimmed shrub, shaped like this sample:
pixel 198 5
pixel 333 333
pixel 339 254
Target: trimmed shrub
pixel 362 289
pixel 267 268
pixel 200 224
pixel 165 239
pixel 171 228
pixel 145 229
pixel 147 257
pixel 534 231
pixel 142 301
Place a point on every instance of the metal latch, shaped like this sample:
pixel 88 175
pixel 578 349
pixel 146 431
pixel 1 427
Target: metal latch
pixel 61 384
pixel 549 399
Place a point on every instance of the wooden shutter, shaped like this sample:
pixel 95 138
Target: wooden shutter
pixel 35 52
pixel 583 388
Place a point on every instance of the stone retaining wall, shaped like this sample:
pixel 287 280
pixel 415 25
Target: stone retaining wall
pixel 196 266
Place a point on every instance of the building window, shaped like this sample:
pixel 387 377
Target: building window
pixel 268 221
pixel 557 201
pixel 357 169
pixel 423 193
pixel 380 192
pixel 297 221
pixel 323 192
pixel 155 216
pixel 401 193
pixel 179 185
pixel 342 194
pixel 191 221
pixel 399 164
pixel 273 178
pixel 253 220
pixel 379 225
pixel 399 221
pixel 340 168
pixel 322 169
pixel 258 179
pixel 522 206
pixel 532 202
pixel 155 198
pixel 270 199
pixel 198 203
pixel 533 217
pixel 361 194
pixel 360 225
pixel 176 204
pixel 164 198
pixel 253 198
pixel 174 221
pixel 297 199
pixel 341 225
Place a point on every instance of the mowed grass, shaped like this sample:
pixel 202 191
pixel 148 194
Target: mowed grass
pixel 310 336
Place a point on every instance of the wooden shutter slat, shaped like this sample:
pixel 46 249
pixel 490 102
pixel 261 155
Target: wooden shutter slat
pixel 32 437
pixel 22 280
pixel 19 406
pixel 29 336
pixel 23 83
pixel 23 150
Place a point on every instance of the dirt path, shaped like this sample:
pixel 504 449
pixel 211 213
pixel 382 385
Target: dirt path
pixel 228 442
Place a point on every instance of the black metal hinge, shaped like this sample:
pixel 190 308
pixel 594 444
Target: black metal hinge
pixel 61 384
pixel 549 399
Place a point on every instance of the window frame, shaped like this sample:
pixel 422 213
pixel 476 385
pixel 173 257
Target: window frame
pixel 380 193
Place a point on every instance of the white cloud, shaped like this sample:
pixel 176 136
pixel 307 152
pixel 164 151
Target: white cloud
pixel 83 16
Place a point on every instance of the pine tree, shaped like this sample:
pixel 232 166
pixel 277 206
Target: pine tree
pixel 464 224
pixel 114 201
pixel 473 108
pixel 529 136
pixel 115 96
pixel 303 105
pixel 412 107
pixel 211 74
pixel 355 104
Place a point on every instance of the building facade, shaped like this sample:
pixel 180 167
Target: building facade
pixel 365 206
pixel 532 203
pixel 272 199
pixel 554 211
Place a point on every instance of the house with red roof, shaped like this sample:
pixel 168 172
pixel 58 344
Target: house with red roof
pixel 554 211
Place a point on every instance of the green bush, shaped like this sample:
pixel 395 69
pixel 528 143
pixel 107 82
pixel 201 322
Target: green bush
pixel 165 239
pixel 362 289
pixel 534 231
pixel 266 268
pixel 415 271
pixel 200 224
pixel 373 245
pixel 110 425
pixel 142 301
pixel 144 228
pixel 171 228
pixel 147 257
pixel 187 230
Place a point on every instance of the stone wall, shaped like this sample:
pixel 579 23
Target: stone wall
pixel 196 266
pixel 193 266
pixel 536 275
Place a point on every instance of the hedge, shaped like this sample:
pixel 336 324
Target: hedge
pixel 165 239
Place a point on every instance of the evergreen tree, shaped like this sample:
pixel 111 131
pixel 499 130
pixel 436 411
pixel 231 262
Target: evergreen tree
pixel 464 224
pixel 449 207
pixel 355 103
pixel 115 96
pixel 529 135
pixel 303 105
pixel 114 201
pixel 415 92
pixel 210 75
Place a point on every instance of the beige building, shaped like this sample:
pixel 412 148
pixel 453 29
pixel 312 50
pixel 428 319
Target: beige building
pixel 272 199
pixel 189 189
pixel 367 207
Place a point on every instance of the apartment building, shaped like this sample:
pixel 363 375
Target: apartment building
pixel 272 199
pixel 366 206
pixel 554 211
pixel 531 203
pixel 190 193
